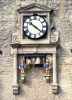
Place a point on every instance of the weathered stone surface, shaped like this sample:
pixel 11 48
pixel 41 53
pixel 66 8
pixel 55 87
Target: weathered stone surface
pixel 37 89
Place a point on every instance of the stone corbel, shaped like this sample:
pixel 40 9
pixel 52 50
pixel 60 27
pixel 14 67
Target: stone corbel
pixel 54 36
pixel 15 38
pixel 55 82
pixel 54 39
pixel 15 84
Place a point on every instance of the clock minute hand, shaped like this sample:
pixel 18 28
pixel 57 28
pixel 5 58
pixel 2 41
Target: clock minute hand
pixel 35 27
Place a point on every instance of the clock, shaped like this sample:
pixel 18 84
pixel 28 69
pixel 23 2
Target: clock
pixel 35 27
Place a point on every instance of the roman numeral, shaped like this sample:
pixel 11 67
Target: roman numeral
pixel 25 24
pixel 41 20
pixel 27 21
pixel 41 33
pixel 44 24
pixel 32 17
pixel 37 35
pixel 38 18
pixel 28 34
pixel 25 29
pixel 44 28
pixel 32 36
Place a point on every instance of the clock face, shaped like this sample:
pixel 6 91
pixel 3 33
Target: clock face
pixel 35 27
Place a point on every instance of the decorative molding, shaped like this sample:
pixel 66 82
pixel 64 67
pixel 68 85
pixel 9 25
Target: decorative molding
pixel 55 88
pixel 16 89
pixel 34 7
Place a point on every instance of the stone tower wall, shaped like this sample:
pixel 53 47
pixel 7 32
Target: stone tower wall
pixel 63 22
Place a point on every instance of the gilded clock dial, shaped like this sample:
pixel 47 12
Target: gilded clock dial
pixel 35 27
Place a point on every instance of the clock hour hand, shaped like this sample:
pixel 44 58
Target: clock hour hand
pixel 35 26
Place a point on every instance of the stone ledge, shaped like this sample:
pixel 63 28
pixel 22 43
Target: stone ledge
pixel 55 88
pixel 16 90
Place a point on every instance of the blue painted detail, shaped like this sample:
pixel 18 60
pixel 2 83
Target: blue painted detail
pixel 22 66
pixel 45 65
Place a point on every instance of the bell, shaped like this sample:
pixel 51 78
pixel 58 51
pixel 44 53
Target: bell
pixel 37 60
pixel 28 61
pixel 33 60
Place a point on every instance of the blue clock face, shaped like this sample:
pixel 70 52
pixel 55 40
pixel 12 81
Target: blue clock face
pixel 35 27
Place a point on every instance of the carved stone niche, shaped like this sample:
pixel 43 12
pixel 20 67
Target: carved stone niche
pixel 24 45
pixel 20 50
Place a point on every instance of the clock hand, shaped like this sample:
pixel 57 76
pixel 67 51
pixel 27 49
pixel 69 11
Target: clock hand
pixel 35 26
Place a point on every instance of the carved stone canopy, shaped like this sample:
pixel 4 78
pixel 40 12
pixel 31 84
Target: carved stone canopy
pixel 34 7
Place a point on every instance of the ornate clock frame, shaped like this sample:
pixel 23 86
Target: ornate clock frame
pixel 24 45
